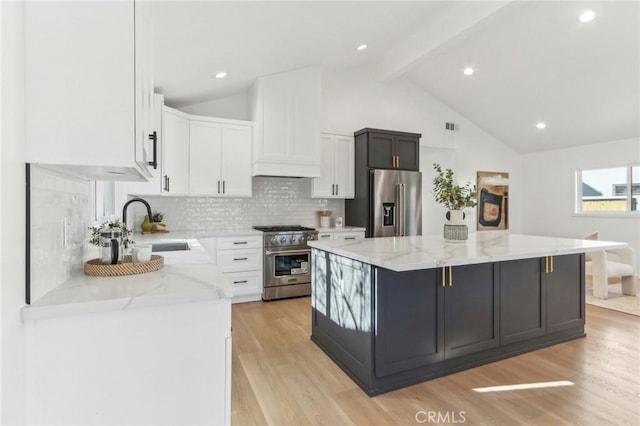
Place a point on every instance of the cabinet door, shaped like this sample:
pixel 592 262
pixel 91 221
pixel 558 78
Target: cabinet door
pixel 409 331
pixel 204 158
pixel 344 166
pixel 175 153
pixel 522 300
pixel 381 151
pixel 471 309
pixel 324 186
pixel 79 100
pixel 407 150
pixel 144 85
pixel 236 161
pixel 154 186
pixel 564 286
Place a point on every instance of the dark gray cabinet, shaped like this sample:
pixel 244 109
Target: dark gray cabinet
pixel 522 300
pixel 410 329
pixel 471 309
pixel 431 315
pixel 540 296
pixel 564 280
pixel 386 149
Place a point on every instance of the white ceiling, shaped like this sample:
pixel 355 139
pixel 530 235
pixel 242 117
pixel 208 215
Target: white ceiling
pixel 534 61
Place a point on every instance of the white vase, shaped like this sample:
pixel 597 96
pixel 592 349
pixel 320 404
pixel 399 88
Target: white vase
pixel 455 217
pixel 455 230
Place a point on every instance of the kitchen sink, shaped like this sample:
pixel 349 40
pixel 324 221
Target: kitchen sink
pixel 170 246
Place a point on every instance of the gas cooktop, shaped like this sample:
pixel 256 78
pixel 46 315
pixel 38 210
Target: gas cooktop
pixel 283 228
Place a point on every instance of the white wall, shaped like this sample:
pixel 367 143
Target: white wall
pixel 354 100
pixel 12 216
pixel 549 185
pixel 234 107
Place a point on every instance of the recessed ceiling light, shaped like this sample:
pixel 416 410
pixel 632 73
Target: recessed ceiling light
pixel 468 71
pixel 587 16
pixel 361 47
pixel 221 74
pixel 541 125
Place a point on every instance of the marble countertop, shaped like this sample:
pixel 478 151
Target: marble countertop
pixel 187 276
pixel 423 252
pixel 182 235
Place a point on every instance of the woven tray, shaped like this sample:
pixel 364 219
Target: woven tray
pixel 96 268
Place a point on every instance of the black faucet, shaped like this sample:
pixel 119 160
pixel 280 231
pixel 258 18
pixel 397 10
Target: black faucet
pixel 124 209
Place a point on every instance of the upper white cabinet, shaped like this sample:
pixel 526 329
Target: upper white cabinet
pixel 155 184
pixel 89 87
pixel 285 110
pixel 336 168
pixel 220 158
pixel 175 147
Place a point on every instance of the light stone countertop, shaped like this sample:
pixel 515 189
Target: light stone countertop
pixel 187 276
pixel 423 252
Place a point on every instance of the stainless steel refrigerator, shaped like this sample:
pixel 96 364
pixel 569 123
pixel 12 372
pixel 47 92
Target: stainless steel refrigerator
pixel 395 203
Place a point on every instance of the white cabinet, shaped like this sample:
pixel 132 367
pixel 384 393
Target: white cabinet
pixel 175 158
pixel 220 159
pixel 336 234
pixel 158 365
pixel 285 110
pixel 240 258
pixel 89 87
pixel 155 184
pixel 336 168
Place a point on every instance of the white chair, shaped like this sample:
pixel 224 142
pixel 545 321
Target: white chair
pixel 605 264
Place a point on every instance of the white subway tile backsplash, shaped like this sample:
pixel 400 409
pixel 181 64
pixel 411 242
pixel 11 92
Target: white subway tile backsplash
pixel 58 204
pixel 275 201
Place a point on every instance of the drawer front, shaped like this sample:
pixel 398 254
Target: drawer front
pixel 325 236
pixel 348 235
pixel 239 260
pixel 241 242
pixel 243 283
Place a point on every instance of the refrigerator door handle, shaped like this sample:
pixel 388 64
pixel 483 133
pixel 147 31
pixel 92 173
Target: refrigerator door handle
pixel 403 210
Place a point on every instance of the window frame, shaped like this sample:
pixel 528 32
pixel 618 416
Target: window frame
pixel 577 211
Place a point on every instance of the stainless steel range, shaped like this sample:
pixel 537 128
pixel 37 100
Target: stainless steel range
pixel 287 261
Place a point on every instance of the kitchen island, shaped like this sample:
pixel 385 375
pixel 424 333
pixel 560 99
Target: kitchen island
pixel 392 312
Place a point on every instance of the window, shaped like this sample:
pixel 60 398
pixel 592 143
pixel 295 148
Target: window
pixel 103 201
pixel 615 189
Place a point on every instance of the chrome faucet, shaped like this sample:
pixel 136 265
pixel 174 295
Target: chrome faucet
pixel 124 209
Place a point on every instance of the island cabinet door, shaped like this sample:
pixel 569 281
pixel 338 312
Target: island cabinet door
pixel 522 297
pixel 471 312
pixel 409 330
pixel 564 286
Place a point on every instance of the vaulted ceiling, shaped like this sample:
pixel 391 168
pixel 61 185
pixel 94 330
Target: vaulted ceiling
pixel 533 61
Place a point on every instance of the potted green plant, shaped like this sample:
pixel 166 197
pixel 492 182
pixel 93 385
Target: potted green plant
pixel 456 198
pixel 156 219
pixel 94 238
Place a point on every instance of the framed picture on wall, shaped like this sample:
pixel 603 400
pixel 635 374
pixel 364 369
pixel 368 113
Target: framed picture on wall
pixel 493 200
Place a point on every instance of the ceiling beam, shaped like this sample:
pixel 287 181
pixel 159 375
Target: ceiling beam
pixel 454 21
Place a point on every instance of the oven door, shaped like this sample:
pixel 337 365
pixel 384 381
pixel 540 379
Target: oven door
pixel 287 267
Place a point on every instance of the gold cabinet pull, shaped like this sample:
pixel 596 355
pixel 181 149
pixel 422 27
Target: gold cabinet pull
pixel 450 276
pixel 551 263
pixel 546 264
pixel 444 272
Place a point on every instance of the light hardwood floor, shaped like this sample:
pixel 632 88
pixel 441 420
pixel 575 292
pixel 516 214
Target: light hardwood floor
pixel 282 378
